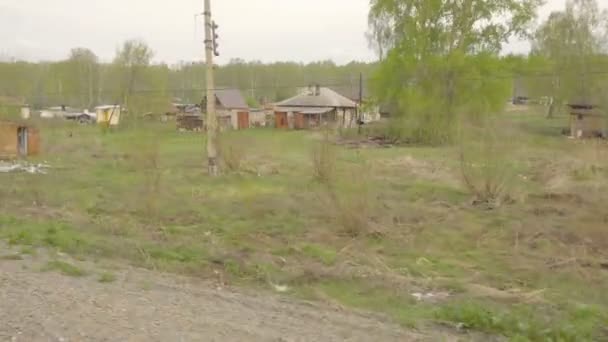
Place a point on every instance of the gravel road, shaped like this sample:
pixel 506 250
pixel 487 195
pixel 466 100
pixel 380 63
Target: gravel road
pixel 142 305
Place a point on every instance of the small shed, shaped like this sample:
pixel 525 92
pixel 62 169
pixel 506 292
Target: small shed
pixel 18 140
pixel 587 121
pixel 108 114
pixel 232 109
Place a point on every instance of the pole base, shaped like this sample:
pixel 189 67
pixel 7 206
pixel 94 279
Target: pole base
pixel 212 167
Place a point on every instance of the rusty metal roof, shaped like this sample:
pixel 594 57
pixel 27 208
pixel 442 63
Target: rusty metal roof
pixel 326 98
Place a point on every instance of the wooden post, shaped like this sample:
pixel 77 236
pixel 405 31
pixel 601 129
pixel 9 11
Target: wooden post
pixel 212 125
pixel 360 109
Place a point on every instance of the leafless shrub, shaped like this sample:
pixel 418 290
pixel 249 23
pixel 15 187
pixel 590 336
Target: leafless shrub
pixel 347 192
pixel 487 162
pixel 232 152
pixel 324 161
pixel 352 213
pixel 146 162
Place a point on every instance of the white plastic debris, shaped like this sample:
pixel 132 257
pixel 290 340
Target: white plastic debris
pixel 430 296
pixel 280 288
pixel 23 167
pixel 422 296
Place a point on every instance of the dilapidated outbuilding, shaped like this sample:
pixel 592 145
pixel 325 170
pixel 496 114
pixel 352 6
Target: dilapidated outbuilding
pixel 18 140
pixel 232 109
pixel 108 114
pixel 587 121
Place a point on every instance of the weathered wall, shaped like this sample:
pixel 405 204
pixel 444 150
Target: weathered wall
pixel 225 119
pixel 34 145
pixel 106 114
pixel 257 118
pixel 346 117
pixel 587 126
pixel 8 140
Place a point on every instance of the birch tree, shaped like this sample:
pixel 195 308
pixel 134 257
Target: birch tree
pixel 443 59
pixel 573 42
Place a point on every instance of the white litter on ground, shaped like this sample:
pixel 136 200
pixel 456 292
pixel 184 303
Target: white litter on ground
pixel 430 297
pixel 6 167
pixel 280 288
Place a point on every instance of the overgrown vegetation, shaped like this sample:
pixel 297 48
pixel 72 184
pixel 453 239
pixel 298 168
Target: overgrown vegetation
pixel 525 323
pixel 486 149
pixel 384 224
pixel 64 268
pixel 443 60
pixel 107 277
pixel 489 220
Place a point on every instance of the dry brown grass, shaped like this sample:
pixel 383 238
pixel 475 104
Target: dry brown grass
pixel 487 167
pixel 349 201
pixel 143 157
pixel 233 153
pixel 324 161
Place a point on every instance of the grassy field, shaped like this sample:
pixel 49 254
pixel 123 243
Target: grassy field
pixel 394 230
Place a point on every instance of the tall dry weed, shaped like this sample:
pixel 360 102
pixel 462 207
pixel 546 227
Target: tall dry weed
pixel 488 161
pixel 146 161
pixel 346 190
pixel 232 152
pixel 324 161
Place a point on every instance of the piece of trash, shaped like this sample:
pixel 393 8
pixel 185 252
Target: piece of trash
pixel 24 167
pixel 423 261
pixel 280 288
pixel 430 296
pixel 422 296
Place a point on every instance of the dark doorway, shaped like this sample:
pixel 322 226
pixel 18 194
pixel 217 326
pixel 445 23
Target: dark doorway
pixel 22 141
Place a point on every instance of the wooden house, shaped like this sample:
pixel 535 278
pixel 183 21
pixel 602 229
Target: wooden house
pixel 315 108
pixel 18 140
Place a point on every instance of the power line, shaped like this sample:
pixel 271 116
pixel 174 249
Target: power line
pixel 344 84
pixel 200 89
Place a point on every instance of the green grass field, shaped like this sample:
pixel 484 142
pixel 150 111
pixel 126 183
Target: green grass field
pixel 385 224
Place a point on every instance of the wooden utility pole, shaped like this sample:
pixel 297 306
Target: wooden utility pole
pixel 360 121
pixel 211 121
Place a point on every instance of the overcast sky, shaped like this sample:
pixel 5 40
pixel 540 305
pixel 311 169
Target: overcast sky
pixel 266 30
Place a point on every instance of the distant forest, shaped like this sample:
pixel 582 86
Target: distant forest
pixel 81 81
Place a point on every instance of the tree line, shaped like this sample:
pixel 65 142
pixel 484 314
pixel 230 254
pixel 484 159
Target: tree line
pixel 132 80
